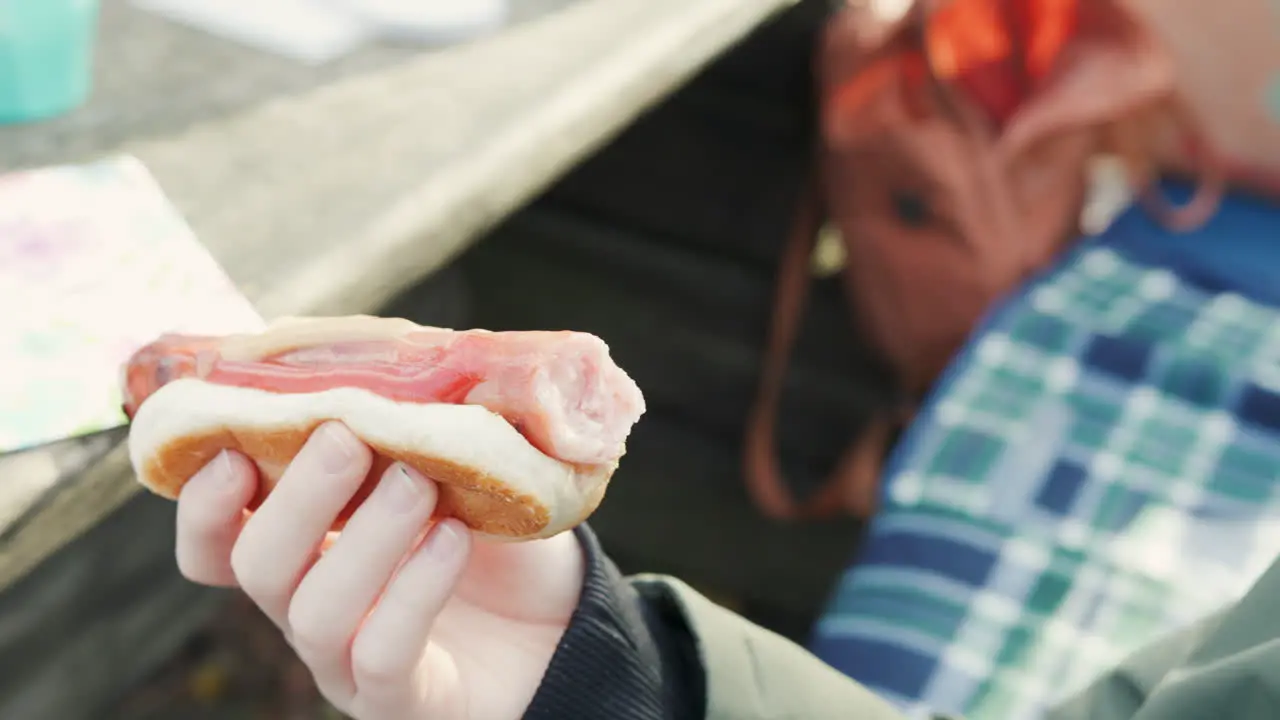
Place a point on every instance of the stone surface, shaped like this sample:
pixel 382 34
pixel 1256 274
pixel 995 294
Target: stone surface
pixel 87 624
pixel 154 78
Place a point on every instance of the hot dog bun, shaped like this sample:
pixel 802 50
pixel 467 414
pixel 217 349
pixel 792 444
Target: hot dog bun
pixel 489 475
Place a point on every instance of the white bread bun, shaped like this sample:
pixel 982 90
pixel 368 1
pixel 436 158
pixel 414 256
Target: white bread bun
pixel 490 477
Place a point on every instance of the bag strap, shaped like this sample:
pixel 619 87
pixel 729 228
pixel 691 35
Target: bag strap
pixel 791 294
pixel 854 482
pixel 1211 176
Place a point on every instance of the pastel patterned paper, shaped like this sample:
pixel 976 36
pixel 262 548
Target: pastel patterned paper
pixel 94 263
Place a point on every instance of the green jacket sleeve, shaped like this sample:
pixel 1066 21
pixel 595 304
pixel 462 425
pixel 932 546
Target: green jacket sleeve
pixel 754 674
pixel 1225 666
pixel 651 647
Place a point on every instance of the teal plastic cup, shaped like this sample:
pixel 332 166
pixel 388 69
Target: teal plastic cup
pixel 46 57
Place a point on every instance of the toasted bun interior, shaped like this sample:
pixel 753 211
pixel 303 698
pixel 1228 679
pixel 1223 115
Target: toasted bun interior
pixel 490 477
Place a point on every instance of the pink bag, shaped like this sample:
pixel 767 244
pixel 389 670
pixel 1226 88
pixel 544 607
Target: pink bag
pixel 956 142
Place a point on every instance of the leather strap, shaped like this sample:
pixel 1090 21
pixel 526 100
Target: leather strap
pixel 854 483
pixel 1211 175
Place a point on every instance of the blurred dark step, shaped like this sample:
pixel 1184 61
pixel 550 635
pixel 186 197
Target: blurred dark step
pixel 718 165
pixel 677 505
pixel 689 328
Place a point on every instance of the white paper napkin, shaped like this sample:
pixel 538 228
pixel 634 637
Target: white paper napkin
pixel 94 263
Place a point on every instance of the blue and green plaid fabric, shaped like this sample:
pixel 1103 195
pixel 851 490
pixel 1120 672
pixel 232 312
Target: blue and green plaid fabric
pixel 1100 467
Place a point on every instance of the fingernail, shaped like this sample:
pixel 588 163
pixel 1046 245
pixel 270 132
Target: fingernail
pixel 402 490
pixel 223 466
pixel 447 541
pixel 220 469
pixel 334 447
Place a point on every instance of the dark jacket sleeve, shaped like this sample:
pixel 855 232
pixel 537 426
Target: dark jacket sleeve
pixel 651 648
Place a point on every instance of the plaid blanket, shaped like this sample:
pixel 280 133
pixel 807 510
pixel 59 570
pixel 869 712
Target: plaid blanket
pixel 1096 470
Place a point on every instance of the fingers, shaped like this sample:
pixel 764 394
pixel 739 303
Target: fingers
pixel 336 594
pixel 210 517
pixel 281 539
pixel 360 614
pixel 387 652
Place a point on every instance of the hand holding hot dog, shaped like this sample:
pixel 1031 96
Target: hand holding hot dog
pixel 300 458
pixel 393 623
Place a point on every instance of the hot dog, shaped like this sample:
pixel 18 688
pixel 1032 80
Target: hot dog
pixel 521 430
